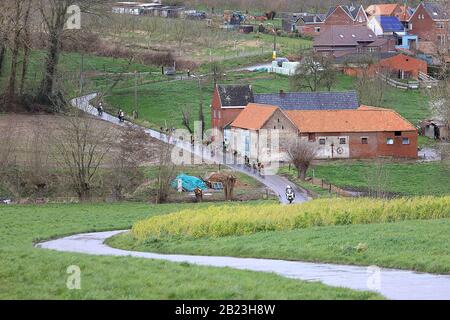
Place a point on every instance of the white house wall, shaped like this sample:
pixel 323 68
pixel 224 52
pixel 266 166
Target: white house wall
pixel 375 27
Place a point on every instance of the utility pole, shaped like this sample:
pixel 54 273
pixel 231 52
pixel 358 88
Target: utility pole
pixel 274 30
pixel 81 73
pixel 135 95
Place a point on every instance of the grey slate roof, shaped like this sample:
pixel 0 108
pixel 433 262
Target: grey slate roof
pixel 310 100
pixel 344 35
pixel 311 18
pixel 435 10
pixel 235 95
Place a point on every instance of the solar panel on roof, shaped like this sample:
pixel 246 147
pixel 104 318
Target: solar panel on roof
pixel 390 24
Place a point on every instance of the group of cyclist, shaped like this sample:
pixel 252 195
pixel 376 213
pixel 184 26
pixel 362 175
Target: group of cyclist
pixel 120 113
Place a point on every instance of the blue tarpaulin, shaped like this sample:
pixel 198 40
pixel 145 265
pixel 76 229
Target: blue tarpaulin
pixel 189 183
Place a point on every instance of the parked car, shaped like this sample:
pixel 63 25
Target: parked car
pixel 170 71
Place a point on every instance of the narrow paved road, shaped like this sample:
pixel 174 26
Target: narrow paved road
pixel 274 182
pixel 393 284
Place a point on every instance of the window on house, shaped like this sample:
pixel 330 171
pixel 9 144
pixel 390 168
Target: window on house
pixel 410 25
pixel 311 137
pixel 317 29
pixel 405 141
pixel 342 140
pixel 440 25
pixel 322 141
pixel 389 141
pixel 398 133
pixel 278 120
pixel 364 140
pixel 282 127
pixel 218 114
pixel 274 127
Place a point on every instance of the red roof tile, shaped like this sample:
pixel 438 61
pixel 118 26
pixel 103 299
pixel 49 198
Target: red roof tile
pixel 364 119
pixel 254 116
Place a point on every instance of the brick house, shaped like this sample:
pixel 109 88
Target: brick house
pixel 362 133
pixel 310 24
pixel 229 101
pixel 314 24
pixel 248 135
pixel 398 66
pixel 402 66
pixel 337 41
pixel 367 132
pixel 430 22
pixel 346 15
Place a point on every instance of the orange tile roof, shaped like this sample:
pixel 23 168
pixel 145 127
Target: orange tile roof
pixel 381 9
pixel 254 116
pixel 364 119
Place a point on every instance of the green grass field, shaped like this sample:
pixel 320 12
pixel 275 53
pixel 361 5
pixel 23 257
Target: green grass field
pixel 399 178
pixel 414 245
pixel 30 273
pixel 161 103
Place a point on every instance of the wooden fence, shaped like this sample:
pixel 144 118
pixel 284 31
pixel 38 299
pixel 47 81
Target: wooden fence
pixel 331 188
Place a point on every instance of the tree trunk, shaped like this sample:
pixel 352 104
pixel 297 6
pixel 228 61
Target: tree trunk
pixel 301 172
pixel 51 64
pixel 11 91
pixel 2 55
pixel 26 52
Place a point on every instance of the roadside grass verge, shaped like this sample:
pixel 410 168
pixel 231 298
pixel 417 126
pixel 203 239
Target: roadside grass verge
pixel 222 221
pixel 404 179
pixel 421 245
pixel 30 273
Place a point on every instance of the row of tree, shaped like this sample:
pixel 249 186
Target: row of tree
pixel 21 23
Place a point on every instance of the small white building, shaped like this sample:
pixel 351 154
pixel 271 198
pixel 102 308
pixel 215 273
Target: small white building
pixel 134 8
pixel 284 67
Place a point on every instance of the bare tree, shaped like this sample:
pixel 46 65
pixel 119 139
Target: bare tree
pixel 377 179
pixel 371 88
pixel 216 72
pixel 4 32
pixel 55 15
pixel 7 145
pixel 186 113
pixel 166 169
pixel 314 71
pixel 301 153
pixel 81 149
pixel 25 45
pixel 131 150
pixel 181 30
pixel 37 162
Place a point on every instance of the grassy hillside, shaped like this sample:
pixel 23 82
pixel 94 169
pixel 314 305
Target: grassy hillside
pixel 161 103
pixel 398 178
pixel 30 273
pixel 414 245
